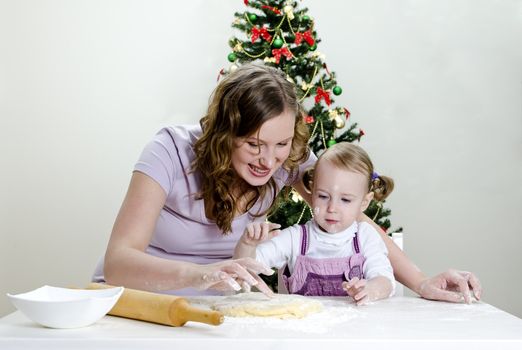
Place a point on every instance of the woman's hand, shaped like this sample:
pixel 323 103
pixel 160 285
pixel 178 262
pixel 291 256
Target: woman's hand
pixel 452 285
pixel 234 275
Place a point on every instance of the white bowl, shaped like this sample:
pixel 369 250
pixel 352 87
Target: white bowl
pixel 66 308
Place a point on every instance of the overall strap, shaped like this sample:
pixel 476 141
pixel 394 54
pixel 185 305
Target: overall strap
pixel 356 244
pixel 304 239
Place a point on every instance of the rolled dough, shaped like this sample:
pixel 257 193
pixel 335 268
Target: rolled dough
pixel 258 304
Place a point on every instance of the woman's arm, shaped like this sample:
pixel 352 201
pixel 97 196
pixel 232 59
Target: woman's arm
pixel 450 285
pixel 127 264
pixel 403 268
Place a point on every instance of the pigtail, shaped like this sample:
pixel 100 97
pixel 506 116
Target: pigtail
pixel 381 186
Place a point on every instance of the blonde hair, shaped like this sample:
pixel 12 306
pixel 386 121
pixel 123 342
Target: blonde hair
pixel 351 157
pixel 238 107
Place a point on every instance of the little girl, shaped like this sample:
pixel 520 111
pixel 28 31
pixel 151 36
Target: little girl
pixel 332 254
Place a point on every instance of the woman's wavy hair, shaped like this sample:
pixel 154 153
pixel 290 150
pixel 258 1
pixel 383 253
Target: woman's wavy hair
pixel 351 157
pixel 238 107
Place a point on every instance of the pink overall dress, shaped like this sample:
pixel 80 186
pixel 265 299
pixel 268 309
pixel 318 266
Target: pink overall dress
pixel 322 276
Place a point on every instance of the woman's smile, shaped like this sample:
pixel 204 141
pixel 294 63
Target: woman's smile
pixel 258 172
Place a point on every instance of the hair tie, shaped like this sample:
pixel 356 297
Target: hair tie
pixel 375 176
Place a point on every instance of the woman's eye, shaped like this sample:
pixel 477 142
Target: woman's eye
pixel 283 144
pixel 252 144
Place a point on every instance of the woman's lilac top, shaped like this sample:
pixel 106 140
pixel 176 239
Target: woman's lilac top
pixel 182 231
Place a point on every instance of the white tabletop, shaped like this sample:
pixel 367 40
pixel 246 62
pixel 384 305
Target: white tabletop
pixel 396 323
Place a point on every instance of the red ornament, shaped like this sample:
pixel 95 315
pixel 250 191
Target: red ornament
pixel 320 94
pixel 246 2
pixel 273 9
pixel 309 119
pixel 256 32
pixel 282 51
pixel 307 36
pixel 347 113
pixel 384 229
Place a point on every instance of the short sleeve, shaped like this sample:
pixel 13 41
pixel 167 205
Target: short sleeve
pixel 157 160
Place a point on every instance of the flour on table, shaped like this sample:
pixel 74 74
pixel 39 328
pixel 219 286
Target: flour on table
pixel 258 304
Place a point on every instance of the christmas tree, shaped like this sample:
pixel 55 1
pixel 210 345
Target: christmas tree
pixel 283 36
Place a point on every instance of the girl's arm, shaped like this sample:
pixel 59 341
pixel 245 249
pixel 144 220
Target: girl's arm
pixel 127 264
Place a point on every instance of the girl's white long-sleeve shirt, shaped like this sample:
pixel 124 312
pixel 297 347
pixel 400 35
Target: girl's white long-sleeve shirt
pixel 284 248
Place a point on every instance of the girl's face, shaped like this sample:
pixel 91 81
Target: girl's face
pixel 255 158
pixel 339 197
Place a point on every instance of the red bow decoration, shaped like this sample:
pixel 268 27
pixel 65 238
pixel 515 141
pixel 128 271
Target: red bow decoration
pixel 326 67
pixel 361 134
pixel 256 32
pixel 309 119
pixel 221 72
pixel 273 9
pixel 347 112
pixel 320 94
pixel 283 51
pixel 307 36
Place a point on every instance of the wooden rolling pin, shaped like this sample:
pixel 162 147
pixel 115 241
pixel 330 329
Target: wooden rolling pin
pixel 159 308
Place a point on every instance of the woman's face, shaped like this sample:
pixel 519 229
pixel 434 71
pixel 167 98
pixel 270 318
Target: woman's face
pixel 256 157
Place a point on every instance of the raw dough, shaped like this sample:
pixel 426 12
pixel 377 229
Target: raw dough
pixel 258 304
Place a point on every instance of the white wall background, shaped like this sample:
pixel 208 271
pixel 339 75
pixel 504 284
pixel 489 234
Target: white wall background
pixel 436 85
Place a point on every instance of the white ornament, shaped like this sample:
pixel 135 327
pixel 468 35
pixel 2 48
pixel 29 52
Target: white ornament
pixel 289 10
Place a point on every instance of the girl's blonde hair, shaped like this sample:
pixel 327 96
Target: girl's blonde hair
pixel 350 157
pixel 238 107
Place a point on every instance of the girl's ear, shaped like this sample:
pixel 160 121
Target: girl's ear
pixel 366 201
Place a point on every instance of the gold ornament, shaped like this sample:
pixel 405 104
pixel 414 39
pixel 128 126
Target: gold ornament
pixel 305 86
pixel 238 47
pixel 339 122
pixel 333 113
pixel 296 197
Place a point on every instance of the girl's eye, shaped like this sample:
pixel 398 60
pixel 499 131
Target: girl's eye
pixel 322 196
pixel 346 200
pixel 253 145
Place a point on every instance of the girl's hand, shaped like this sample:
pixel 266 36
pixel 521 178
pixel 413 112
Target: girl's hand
pixel 257 232
pixel 365 291
pixel 358 290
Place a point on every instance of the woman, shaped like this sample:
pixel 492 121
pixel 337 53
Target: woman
pixel 195 189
